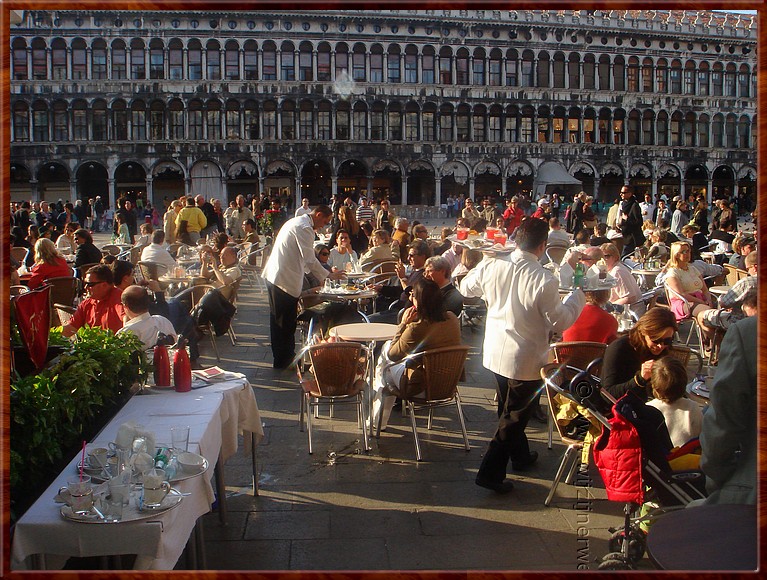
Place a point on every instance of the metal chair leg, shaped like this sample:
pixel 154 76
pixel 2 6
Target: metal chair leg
pixel 309 421
pixel 560 472
pixel 463 422
pixel 360 403
pixel 411 409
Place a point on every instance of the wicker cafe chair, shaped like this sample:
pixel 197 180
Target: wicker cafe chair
pixel 151 270
pixel 337 375
pixel 64 290
pixel 64 313
pixel 691 359
pixel 577 354
pixel 442 369
pixel 556 253
pixel 252 263
pixel 556 378
pixel 19 253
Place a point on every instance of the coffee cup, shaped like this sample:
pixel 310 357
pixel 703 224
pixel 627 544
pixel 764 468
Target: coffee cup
pixel 98 456
pixel 155 488
pixel 80 492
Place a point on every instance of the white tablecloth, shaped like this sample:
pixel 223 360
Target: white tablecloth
pixel 215 414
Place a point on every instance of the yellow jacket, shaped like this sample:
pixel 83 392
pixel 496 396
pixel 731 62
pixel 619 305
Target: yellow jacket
pixel 195 219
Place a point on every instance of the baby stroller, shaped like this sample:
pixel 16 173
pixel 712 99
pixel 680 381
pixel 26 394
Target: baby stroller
pixel 631 456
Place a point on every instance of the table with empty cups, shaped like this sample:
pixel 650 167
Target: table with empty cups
pixel 215 415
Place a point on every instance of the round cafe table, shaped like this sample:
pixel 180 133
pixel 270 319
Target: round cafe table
pixel 369 333
pixel 719 290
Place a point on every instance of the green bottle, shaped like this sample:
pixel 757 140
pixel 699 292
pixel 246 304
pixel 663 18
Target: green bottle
pixel 579 276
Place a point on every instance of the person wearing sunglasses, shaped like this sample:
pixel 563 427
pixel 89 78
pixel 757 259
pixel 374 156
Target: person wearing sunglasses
pixel 102 306
pixel 628 360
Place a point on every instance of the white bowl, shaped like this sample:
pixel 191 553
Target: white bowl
pixel 190 462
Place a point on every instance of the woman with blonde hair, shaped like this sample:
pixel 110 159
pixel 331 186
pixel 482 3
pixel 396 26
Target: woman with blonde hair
pixel 49 263
pixel 469 260
pixel 379 252
pixel 685 281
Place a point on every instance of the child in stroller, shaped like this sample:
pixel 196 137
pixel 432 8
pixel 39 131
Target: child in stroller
pixel 631 456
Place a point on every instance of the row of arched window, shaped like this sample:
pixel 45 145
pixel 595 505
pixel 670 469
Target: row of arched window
pixel 212 120
pixel 446 65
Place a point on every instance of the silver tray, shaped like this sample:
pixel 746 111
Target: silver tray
pixel 131 513
pixel 97 476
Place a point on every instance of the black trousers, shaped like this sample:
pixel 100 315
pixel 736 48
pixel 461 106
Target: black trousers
pixel 283 310
pixel 516 402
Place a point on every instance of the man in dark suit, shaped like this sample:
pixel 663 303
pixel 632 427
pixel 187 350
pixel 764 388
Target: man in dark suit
pixel 630 221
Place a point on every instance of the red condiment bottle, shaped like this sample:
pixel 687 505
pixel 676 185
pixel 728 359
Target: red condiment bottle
pixel 182 368
pixel 161 366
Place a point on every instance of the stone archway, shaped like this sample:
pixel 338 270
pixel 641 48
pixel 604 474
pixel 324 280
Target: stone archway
pixel 241 179
pixel 387 182
pixel 92 180
pixel 167 183
pixel 316 183
pixel 53 182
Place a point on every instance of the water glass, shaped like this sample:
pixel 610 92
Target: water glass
pixel 179 438
pixel 112 508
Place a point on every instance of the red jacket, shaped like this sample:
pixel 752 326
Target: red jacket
pixel 618 455
pixel 594 324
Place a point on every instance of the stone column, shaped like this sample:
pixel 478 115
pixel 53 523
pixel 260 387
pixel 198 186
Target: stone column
pixel 333 186
pixel 111 192
pixel 150 189
pixel 298 194
pixel 709 191
pixel 438 188
pixel 73 190
pixel 471 187
pixel 369 193
pixel 404 189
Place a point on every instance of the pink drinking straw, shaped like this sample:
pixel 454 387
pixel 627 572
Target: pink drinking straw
pixel 82 463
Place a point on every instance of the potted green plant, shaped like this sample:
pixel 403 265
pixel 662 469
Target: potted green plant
pixel 69 401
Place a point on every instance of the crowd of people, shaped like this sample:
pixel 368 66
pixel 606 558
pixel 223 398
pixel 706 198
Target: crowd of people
pixel 429 282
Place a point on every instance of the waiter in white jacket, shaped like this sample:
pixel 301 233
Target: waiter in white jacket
pixel 523 307
pixel 292 256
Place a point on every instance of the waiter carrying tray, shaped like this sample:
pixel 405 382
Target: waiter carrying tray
pixel 292 256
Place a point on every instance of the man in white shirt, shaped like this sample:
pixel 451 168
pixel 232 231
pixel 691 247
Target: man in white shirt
pixel 156 251
pixel 292 256
pixel 557 236
pixel 647 207
pixel 523 307
pixel 135 301
pixel 304 209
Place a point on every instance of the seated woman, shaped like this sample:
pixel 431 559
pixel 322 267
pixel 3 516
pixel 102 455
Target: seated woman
pixel 628 361
pixel 658 248
pixel 468 260
pixel 49 263
pixel 684 417
pixel 379 252
pixel 343 253
pixel 425 325
pixel 594 323
pixel 626 291
pixel 686 281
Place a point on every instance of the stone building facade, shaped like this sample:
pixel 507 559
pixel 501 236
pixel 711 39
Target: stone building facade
pixel 415 105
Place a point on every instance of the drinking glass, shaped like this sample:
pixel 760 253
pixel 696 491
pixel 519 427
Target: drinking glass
pixel 179 438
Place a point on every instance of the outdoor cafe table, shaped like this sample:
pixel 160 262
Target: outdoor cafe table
pixel 215 414
pixel 369 333
pixel 719 291
pixel 646 276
